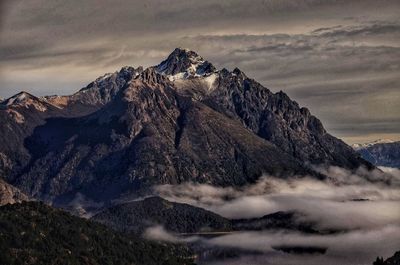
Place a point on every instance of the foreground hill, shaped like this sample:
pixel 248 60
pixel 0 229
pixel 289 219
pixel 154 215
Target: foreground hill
pixel 182 120
pixel 34 233
pixel 175 217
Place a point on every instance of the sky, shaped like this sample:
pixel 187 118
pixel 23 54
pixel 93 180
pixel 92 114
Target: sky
pixel 341 59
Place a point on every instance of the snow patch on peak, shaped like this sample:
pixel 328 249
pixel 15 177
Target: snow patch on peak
pixel 16 116
pixel 178 76
pixel 210 80
pixel 184 64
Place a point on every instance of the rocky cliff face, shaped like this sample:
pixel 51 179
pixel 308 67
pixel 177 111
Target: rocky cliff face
pixel 278 119
pixel 10 194
pixel 179 121
pixel 96 94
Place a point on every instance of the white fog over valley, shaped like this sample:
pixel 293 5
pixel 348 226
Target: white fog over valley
pixel 363 206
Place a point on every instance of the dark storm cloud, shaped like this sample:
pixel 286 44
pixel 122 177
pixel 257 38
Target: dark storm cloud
pixel 344 54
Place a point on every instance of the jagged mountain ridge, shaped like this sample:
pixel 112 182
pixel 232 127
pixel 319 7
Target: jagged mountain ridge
pixel 145 128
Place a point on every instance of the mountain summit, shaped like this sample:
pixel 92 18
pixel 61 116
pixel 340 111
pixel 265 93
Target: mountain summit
pixel 183 63
pixel 136 128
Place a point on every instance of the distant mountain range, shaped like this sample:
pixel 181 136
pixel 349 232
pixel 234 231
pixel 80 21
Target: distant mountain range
pixel 380 153
pixel 181 120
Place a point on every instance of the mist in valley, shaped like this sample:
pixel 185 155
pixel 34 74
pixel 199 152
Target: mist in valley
pixel 358 212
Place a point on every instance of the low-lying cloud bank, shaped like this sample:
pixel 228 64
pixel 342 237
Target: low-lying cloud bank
pixel 364 205
pixel 350 248
pixel 345 200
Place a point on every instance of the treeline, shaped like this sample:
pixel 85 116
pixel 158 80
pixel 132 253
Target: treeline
pixel 34 233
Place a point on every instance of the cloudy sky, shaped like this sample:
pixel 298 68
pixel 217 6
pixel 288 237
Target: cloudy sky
pixel 341 59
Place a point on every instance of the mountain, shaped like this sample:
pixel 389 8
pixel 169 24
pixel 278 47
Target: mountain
pixel 10 194
pixel 137 216
pixel 380 153
pixel 181 120
pixel 34 233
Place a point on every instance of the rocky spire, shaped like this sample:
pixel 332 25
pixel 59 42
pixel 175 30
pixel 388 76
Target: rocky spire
pixel 183 63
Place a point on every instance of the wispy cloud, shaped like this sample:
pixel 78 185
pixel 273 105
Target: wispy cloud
pixel 370 198
pixel 363 204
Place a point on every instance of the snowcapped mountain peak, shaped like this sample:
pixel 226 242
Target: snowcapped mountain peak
pixel 184 63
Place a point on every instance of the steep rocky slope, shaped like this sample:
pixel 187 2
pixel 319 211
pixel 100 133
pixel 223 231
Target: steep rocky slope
pixel 10 194
pixel 96 94
pixel 19 115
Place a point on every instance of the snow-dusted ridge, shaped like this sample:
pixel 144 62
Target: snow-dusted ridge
pixel 184 64
pixel 19 98
pixel 179 66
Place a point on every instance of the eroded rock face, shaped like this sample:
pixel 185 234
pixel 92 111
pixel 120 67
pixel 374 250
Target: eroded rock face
pixel 10 194
pixel 5 165
pixel 146 128
pixel 278 119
